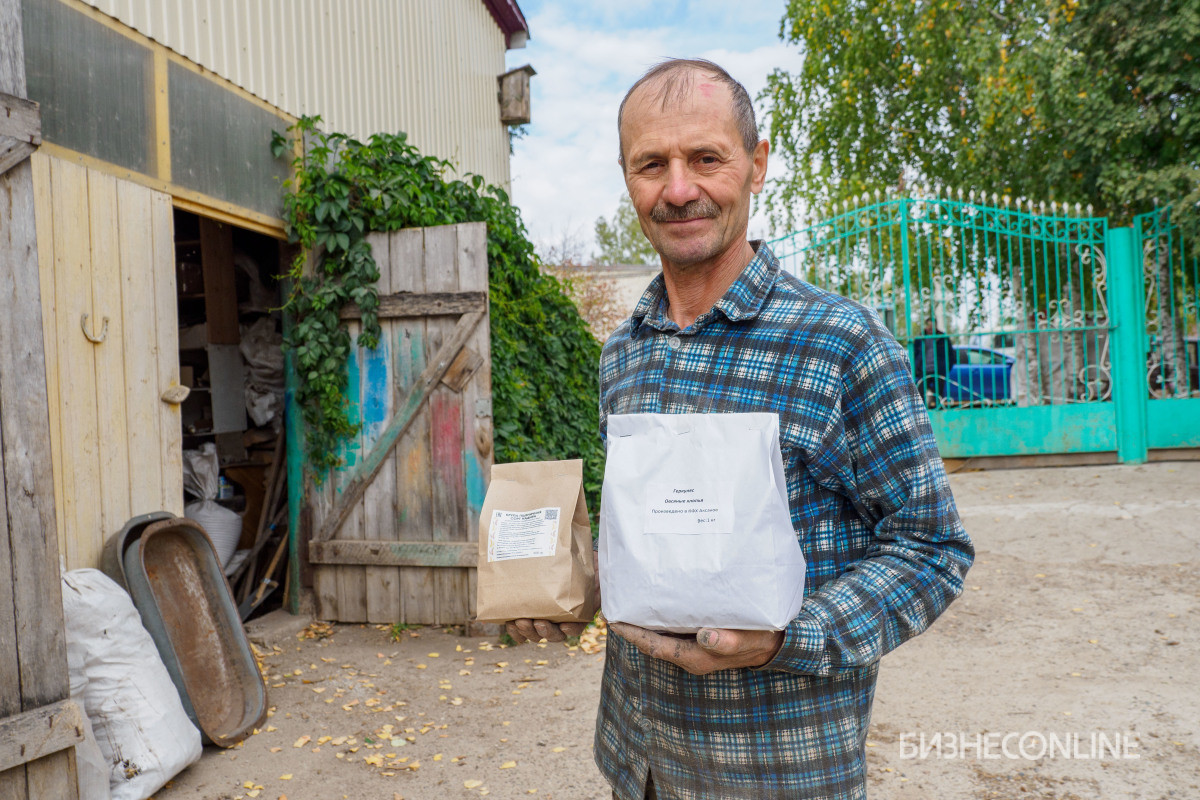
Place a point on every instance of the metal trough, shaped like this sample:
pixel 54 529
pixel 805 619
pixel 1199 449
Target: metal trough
pixel 112 558
pixel 186 604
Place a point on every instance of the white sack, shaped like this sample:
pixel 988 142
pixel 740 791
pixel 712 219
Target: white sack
pixel 91 766
pixel 201 478
pixel 202 472
pixel 694 524
pixel 262 350
pixel 224 527
pixel 139 722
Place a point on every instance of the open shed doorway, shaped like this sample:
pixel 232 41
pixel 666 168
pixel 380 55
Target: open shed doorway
pixel 231 360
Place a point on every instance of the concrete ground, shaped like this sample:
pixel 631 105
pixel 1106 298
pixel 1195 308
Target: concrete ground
pixel 1077 631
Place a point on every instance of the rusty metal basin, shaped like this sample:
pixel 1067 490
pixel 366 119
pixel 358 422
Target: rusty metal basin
pixel 112 558
pixel 176 583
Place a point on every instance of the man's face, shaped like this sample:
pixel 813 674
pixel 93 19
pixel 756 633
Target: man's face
pixel 688 173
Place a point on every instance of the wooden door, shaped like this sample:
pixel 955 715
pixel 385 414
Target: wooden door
pixel 393 532
pixel 107 270
pixel 38 723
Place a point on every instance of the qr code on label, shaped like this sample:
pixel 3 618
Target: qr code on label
pixel 551 514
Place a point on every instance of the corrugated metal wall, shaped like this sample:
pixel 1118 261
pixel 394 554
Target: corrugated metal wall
pixel 426 67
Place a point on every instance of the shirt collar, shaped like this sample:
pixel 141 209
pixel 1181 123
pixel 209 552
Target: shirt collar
pixel 742 300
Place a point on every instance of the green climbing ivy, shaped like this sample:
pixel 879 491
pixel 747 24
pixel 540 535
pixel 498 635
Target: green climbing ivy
pixel 544 360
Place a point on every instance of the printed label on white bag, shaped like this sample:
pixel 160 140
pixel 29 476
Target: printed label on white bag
pixel 691 507
pixel 523 534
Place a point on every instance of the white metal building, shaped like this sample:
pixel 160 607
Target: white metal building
pixel 157 117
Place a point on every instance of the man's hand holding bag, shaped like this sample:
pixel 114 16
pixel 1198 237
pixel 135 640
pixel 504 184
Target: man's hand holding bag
pixel 535 549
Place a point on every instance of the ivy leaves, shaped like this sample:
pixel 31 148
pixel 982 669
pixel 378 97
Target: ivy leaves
pixel 544 360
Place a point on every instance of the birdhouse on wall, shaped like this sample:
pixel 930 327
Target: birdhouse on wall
pixel 514 95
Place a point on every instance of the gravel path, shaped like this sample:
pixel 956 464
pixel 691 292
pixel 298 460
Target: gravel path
pixel 1079 621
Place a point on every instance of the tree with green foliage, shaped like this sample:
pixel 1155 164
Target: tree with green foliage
pixel 1088 101
pixel 621 239
pixel 544 360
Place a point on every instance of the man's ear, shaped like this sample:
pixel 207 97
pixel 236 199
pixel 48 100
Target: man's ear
pixel 759 160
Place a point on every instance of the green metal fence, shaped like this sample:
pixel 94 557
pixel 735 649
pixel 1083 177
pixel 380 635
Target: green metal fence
pixel 1170 270
pixel 1005 310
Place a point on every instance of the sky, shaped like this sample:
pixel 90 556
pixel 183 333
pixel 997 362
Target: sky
pixel 587 53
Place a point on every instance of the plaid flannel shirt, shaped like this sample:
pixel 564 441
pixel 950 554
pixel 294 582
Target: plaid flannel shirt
pixel 885 549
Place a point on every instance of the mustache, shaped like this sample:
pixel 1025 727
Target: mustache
pixel 700 208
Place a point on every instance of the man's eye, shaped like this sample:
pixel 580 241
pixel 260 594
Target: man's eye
pixel 708 160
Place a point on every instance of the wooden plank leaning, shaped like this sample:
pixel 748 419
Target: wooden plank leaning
pixel 371 464
pixel 40 732
pixel 20 130
pixel 31 614
pixel 398 554
pixel 422 304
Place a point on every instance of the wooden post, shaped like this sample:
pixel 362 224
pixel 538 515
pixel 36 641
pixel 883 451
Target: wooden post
pixel 33 674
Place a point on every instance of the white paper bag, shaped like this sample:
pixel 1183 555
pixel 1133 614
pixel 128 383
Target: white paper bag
pixel 694 524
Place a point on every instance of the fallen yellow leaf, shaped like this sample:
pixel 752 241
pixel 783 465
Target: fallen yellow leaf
pixel 303 740
pixel 508 765
pixel 472 784
pixel 286 777
pixel 557 749
pixel 435 655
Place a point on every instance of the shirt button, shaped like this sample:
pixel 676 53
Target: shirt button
pixel 673 343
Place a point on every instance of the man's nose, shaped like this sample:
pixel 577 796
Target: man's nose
pixel 681 189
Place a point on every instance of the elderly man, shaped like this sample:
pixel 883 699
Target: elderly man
pixel 764 714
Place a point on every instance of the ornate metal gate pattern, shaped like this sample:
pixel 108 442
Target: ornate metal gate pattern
pixel 1170 281
pixel 1005 310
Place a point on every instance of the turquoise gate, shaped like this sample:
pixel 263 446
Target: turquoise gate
pixel 1170 295
pixel 1030 329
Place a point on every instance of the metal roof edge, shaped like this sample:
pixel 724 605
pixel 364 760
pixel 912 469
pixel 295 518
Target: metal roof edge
pixel 509 18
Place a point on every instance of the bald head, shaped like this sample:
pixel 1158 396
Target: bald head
pixel 672 81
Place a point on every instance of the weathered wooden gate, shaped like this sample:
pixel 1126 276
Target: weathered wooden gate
pixel 393 531
pixel 38 722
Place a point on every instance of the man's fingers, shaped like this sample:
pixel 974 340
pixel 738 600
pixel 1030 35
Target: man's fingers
pixel 719 641
pixel 681 652
pixel 510 628
pixel 534 630
pixel 522 630
pixel 572 628
pixel 548 631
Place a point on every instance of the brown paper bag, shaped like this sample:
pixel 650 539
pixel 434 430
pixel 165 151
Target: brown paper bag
pixel 535 545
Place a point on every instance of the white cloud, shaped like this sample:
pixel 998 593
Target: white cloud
pixel 565 173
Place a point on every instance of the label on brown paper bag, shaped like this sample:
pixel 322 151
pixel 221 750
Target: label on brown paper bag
pixel 535 545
